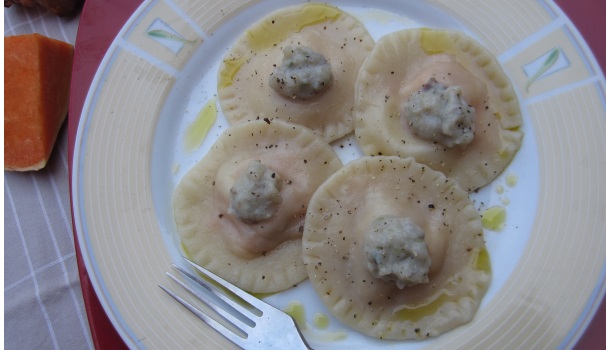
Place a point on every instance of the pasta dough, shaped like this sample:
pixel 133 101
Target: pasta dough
pixel 244 89
pixel 399 66
pixel 336 225
pixel 261 254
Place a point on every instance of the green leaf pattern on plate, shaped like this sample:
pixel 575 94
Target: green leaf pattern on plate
pixel 551 59
pixel 163 34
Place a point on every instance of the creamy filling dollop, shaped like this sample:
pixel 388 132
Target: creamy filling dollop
pixel 438 113
pixel 302 75
pixel 255 196
pixel 396 251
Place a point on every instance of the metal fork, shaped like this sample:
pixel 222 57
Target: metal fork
pixel 260 327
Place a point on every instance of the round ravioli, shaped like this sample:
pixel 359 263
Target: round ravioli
pixel 244 87
pixel 403 64
pixel 260 251
pixel 341 221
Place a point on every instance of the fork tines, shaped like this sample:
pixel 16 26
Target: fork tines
pixel 249 322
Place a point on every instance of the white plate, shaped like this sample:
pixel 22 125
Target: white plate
pixel 549 262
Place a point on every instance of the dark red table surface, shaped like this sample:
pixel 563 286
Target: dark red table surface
pixel 101 21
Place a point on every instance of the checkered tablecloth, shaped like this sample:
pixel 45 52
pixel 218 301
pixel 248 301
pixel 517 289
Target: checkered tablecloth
pixel 43 306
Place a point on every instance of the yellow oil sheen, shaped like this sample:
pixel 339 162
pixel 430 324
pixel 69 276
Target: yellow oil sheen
pixel 321 321
pixel 273 32
pixel 493 218
pixel 197 131
pixel 480 261
pixel 511 180
pixel 499 189
pixel 229 71
pixel 435 41
pixel 296 310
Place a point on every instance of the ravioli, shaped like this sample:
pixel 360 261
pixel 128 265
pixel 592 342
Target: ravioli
pixel 258 251
pixel 336 229
pixel 401 65
pixel 244 87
